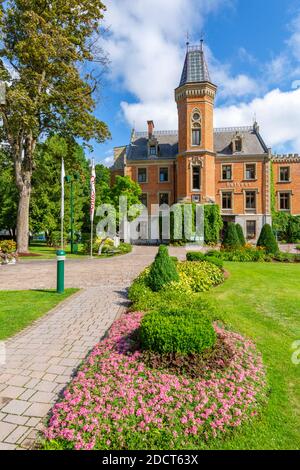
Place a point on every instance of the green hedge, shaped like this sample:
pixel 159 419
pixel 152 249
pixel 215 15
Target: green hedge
pixel 176 331
pixel 198 256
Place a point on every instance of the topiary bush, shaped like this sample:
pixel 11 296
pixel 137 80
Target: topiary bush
pixel 231 239
pixel 267 240
pixel 176 331
pixel 162 271
pixel 240 233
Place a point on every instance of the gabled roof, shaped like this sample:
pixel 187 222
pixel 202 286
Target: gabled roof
pixel 195 69
pixel 137 150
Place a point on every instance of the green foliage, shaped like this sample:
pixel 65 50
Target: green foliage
pixel 54 239
pixel 163 270
pixel 8 246
pixel 240 234
pixel 267 240
pixel 213 224
pixel 176 331
pixel 8 194
pixel 144 299
pixel 246 254
pixel 216 261
pixel 231 239
pixel 197 277
pixel 197 256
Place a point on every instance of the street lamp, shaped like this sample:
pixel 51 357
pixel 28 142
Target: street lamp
pixel 72 180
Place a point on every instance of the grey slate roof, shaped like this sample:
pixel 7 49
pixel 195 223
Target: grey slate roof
pixel 195 68
pixel 137 150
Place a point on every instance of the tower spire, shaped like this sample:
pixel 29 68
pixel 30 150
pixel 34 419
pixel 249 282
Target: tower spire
pixel 195 69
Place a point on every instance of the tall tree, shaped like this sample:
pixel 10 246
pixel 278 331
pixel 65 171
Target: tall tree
pixel 8 194
pixel 46 190
pixel 43 45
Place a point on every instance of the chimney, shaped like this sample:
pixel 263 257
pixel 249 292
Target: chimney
pixel 150 129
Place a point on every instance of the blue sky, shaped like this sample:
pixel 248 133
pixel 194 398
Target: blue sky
pixel 253 51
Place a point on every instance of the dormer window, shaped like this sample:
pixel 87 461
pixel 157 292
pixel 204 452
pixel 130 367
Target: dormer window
pixel 152 150
pixel 196 128
pixel 237 144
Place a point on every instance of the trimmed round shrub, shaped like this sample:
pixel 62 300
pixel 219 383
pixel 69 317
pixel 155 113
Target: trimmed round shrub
pixel 162 271
pixel 231 239
pixel 176 331
pixel 240 233
pixel 267 240
pixel 195 256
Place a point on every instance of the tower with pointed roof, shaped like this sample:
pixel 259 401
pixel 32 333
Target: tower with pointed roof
pixel 195 102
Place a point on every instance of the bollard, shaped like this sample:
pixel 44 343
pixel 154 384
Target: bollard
pixel 61 256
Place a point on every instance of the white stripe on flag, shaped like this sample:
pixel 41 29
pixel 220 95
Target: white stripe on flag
pixel 62 212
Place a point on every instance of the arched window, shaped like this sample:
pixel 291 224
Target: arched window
pixel 196 128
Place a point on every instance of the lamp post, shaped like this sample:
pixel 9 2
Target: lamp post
pixel 72 180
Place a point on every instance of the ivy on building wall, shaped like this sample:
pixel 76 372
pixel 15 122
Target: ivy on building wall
pixel 213 224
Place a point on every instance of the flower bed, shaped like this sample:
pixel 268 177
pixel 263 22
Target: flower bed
pixel 118 402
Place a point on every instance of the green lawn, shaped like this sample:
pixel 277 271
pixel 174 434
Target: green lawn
pixel 40 251
pixel 262 301
pixel 46 252
pixel 19 309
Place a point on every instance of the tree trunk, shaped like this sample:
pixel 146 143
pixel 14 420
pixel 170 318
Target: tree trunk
pixel 23 220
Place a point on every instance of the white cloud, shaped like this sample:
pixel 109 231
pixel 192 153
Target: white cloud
pixel 294 41
pixel 146 48
pixel 278 114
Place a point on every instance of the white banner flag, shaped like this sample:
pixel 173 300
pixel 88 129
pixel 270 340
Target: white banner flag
pixel 93 191
pixel 62 212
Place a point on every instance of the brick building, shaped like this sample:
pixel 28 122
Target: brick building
pixel 197 163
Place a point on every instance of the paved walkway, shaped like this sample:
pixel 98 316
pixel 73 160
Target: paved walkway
pixel 42 359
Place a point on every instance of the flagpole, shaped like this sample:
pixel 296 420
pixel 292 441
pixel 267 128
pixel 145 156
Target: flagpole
pixel 92 238
pixel 62 214
pixel 92 208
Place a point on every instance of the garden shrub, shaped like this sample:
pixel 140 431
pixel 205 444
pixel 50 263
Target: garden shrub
pixel 231 240
pixel 240 234
pixel 176 331
pixel 195 256
pixel 214 254
pixel 8 246
pixel 267 240
pixel 162 271
pixel 54 239
pixel 144 299
pixel 246 254
pixel 216 261
pixel 197 277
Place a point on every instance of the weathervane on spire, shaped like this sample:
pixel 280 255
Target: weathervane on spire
pixel 187 39
pixel 202 40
